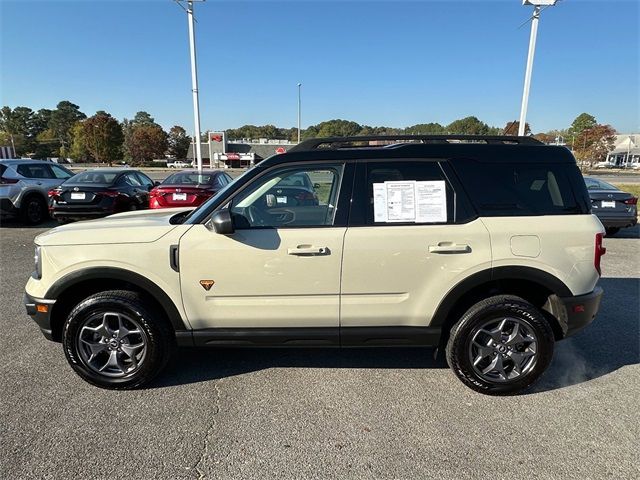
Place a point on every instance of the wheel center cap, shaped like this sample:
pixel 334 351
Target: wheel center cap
pixel 113 343
pixel 502 349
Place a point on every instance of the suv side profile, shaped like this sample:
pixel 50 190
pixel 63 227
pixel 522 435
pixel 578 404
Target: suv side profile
pixel 484 247
pixel 24 185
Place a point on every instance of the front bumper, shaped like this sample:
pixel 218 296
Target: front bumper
pixel 35 307
pixel 575 313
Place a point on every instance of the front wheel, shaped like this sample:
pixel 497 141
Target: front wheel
pixel 117 340
pixel 500 346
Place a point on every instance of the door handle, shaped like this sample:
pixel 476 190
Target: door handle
pixel 308 250
pixel 449 247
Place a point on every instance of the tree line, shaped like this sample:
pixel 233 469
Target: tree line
pixel 67 132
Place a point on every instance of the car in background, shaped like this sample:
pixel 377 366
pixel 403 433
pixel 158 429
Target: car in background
pixel 614 208
pixel 24 185
pixel 98 193
pixel 605 165
pixel 188 188
pixel 179 164
pixel 296 190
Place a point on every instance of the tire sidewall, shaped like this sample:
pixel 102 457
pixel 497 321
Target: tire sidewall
pixel 458 348
pixel 154 355
pixel 31 200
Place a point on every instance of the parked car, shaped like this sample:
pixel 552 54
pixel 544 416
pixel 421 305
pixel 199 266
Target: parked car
pixel 100 192
pixel 482 246
pixel 615 209
pixel 605 165
pixel 634 165
pixel 24 185
pixel 188 188
pixel 179 164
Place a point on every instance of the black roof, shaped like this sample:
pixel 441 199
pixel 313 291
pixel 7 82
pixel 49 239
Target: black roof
pixel 480 148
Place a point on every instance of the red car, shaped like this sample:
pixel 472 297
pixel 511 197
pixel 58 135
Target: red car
pixel 187 188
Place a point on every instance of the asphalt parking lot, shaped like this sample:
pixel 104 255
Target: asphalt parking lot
pixel 393 413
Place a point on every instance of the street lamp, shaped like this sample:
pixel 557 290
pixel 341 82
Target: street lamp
pixel 537 4
pixel 299 106
pixel 194 81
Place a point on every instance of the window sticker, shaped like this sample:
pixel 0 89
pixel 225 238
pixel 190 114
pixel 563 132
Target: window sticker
pixel 410 201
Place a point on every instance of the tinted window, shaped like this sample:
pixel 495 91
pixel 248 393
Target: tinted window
pixel 512 189
pixel 593 184
pixel 132 179
pixel 277 200
pixel 146 181
pixel 34 170
pixel 404 173
pixel 94 177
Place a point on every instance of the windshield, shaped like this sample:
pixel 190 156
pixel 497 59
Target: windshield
pixel 189 179
pixel 94 177
pixel 593 184
pixel 223 191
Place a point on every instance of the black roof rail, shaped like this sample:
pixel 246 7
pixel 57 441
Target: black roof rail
pixel 332 143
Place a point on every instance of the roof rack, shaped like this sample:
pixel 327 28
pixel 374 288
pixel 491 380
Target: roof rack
pixel 332 143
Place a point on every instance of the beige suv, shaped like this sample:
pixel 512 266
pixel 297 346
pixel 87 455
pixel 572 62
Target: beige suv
pixel 484 247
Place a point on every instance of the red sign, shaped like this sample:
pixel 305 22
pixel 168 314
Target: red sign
pixel 280 150
pixel 216 137
pixel 233 156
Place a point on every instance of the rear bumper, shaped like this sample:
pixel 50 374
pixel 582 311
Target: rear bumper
pixel 575 313
pixel 618 221
pixel 43 319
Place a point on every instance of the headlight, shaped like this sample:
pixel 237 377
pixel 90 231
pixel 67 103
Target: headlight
pixel 37 257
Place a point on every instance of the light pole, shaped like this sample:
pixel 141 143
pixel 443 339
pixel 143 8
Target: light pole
pixel 538 4
pixel 299 108
pixel 194 82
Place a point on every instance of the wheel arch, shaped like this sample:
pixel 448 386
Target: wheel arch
pixel 532 284
pixel 74 287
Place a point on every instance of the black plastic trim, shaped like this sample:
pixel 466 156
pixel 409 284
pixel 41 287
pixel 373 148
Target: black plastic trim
pixel 112 273
pixel 43 320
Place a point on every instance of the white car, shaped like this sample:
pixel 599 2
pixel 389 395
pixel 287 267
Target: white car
pixel 605 165
pixel 178 164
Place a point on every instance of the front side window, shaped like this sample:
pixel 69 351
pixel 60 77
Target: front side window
pixel 291 197
pixel 61 173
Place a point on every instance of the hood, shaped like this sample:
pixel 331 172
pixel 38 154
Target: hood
pixel 129 227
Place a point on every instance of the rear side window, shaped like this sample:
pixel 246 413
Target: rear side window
pixel 34 171
pixel 501 189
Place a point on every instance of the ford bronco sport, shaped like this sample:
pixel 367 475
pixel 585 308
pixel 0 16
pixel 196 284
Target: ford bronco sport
pixel 484 247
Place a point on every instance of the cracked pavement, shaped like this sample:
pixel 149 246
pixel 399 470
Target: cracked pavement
pixel 368 413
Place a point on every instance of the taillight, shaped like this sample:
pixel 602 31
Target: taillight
pixel 54 193
pixel 154 193
pixel 302 196
pixel 631 201
pixel 599 252
pixel 109 193
pixel 7 181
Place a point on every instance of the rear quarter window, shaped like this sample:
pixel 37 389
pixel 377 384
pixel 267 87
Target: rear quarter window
pixel 511 189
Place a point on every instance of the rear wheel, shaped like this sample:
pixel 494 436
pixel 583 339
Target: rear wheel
pixel 612 231
pixel 116 340
pixel 500 346
pixel 33 210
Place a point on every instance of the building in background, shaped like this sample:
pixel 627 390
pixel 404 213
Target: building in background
pixel 626 150
pixel 218 152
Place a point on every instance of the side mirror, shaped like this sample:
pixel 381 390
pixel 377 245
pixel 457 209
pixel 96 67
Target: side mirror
pixel 156 183
pixel 316 186
pixel 222 222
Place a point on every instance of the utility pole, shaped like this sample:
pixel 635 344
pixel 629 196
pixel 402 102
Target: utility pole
pixel 532 50
pixel 299 108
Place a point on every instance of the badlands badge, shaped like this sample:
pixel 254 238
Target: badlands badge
pixel 207 284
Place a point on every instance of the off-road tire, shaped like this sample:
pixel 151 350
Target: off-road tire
pixel 508 306
pixel 160 341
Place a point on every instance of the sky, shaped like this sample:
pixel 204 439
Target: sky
pixel 377 63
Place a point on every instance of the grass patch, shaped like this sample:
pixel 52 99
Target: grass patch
pixel 633 188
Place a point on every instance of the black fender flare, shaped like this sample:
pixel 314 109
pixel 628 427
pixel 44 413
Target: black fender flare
pixel 121 274
pixel 531 274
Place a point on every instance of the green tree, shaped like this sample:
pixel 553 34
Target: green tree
pixel 338 128
pixel 62 120
pixel 425 129
pixel 143 118
pixel 178 141
pixel 146 142
pixel 102 137
pixel 78 150
pixel 581 123
pixel 468 126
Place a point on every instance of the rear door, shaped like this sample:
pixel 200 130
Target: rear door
pixel 411 238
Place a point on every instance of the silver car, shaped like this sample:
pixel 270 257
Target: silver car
pixel 24 188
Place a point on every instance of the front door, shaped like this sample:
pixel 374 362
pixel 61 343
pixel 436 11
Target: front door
pixel 281 266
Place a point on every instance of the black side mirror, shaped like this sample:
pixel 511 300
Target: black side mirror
pixel 222 222
pixel 155 184
pixel 316 186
